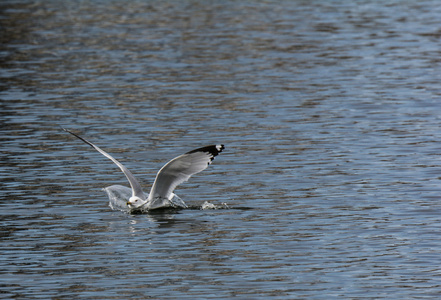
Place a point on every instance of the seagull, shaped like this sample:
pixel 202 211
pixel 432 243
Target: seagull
pixel 171 175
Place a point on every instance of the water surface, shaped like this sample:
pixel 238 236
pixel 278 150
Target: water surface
pixel 330 117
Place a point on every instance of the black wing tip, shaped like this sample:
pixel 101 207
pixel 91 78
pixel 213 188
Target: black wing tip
pixel 79 137
pixel 214 150
pixel 72 133
pixel 219 148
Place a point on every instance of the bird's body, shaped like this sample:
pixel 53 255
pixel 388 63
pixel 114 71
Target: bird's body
pixel 172 174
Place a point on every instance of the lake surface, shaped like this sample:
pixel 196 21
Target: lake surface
pixel 329 112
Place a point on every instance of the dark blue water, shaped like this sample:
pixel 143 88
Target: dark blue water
pixel 329 112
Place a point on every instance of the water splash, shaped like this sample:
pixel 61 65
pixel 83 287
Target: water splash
pixel 119 195
pixel 208 205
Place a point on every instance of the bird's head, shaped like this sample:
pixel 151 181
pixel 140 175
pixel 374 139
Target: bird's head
pixel 135 202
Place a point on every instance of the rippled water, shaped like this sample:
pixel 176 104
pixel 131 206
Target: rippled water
pixel 330 116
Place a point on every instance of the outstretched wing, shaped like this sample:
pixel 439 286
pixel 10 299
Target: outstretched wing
pixel 134 184
pixel 181 168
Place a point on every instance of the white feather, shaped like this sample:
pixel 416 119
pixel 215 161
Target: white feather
pixel 179 170
pixel 134 184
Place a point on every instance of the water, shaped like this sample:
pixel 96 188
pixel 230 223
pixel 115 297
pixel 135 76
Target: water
pixel 329 112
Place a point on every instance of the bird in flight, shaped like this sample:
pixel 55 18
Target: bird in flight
pixel 171 175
